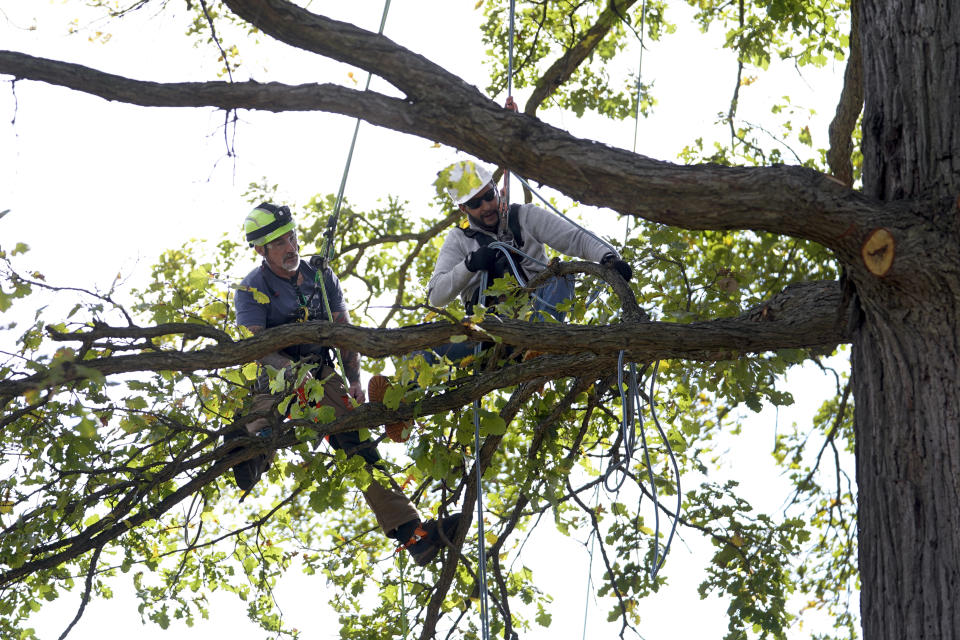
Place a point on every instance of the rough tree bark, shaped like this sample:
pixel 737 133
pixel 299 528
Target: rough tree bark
pixel 907 349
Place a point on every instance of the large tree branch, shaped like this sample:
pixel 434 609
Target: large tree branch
pixel 802 316
pixel 793 201
pixel 410 72
pixel 788 200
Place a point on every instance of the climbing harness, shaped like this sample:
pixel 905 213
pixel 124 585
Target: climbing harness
pixel 302 313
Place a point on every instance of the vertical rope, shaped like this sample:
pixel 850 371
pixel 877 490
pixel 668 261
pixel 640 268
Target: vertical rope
pixel 502 226
pixel 676 470
pixel 403 600
pixel 636 115
pixel 510 50
pixel 332 224
pixel 481 542
pixel 331 230
pixel 646 459
pixel 593 542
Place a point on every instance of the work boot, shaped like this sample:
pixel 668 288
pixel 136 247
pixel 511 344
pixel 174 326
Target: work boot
pixel 376 390
pixel 425 543
pixel 246 474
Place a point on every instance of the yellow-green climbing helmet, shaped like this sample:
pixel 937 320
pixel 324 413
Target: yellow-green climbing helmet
pixel 463 180
pixel 267 222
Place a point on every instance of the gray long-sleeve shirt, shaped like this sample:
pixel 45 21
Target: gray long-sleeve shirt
pixel 539 227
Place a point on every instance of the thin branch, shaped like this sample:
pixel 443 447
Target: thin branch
pixel 564 67
pixel 849 106
pixel 87 588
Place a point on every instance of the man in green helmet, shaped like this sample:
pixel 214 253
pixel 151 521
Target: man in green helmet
pixel 295 292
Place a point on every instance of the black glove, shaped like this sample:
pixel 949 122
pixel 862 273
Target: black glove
pixel 483 259
pixel 618 265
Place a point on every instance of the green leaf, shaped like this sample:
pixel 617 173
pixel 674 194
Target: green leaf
pixel 198 278
pixel 250 371
pixel 87 428
pixel 491 424
pixel 215 311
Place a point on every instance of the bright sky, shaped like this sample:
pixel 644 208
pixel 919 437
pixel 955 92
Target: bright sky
pixel 99 189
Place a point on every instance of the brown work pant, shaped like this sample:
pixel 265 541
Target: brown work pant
pixel 390 506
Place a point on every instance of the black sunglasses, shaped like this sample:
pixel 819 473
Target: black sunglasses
pixel 473 203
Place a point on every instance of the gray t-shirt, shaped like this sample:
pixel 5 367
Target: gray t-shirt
pixel 285 300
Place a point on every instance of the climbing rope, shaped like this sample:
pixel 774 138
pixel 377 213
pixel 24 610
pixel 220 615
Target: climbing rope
pixel 402 560
pixel 506 173
pixel 513 11
pixel 565 217
pixel 619 465
pixel 636 115
pixel 589 590
pixel 676 472
pixel 631 401
pixel 630 411
pixel 481 542
pixel 330 232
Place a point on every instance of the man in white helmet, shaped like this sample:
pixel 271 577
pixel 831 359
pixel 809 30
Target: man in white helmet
pixel 290 291
pixel 466 253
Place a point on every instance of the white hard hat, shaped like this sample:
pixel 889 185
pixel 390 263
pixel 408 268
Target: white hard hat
pixel 462 180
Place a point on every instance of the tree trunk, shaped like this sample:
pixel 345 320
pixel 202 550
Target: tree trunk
pixel 908 469
pixel 911 115
pixel 906 354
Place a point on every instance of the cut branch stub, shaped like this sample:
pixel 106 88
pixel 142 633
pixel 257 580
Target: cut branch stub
pixel 878 252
